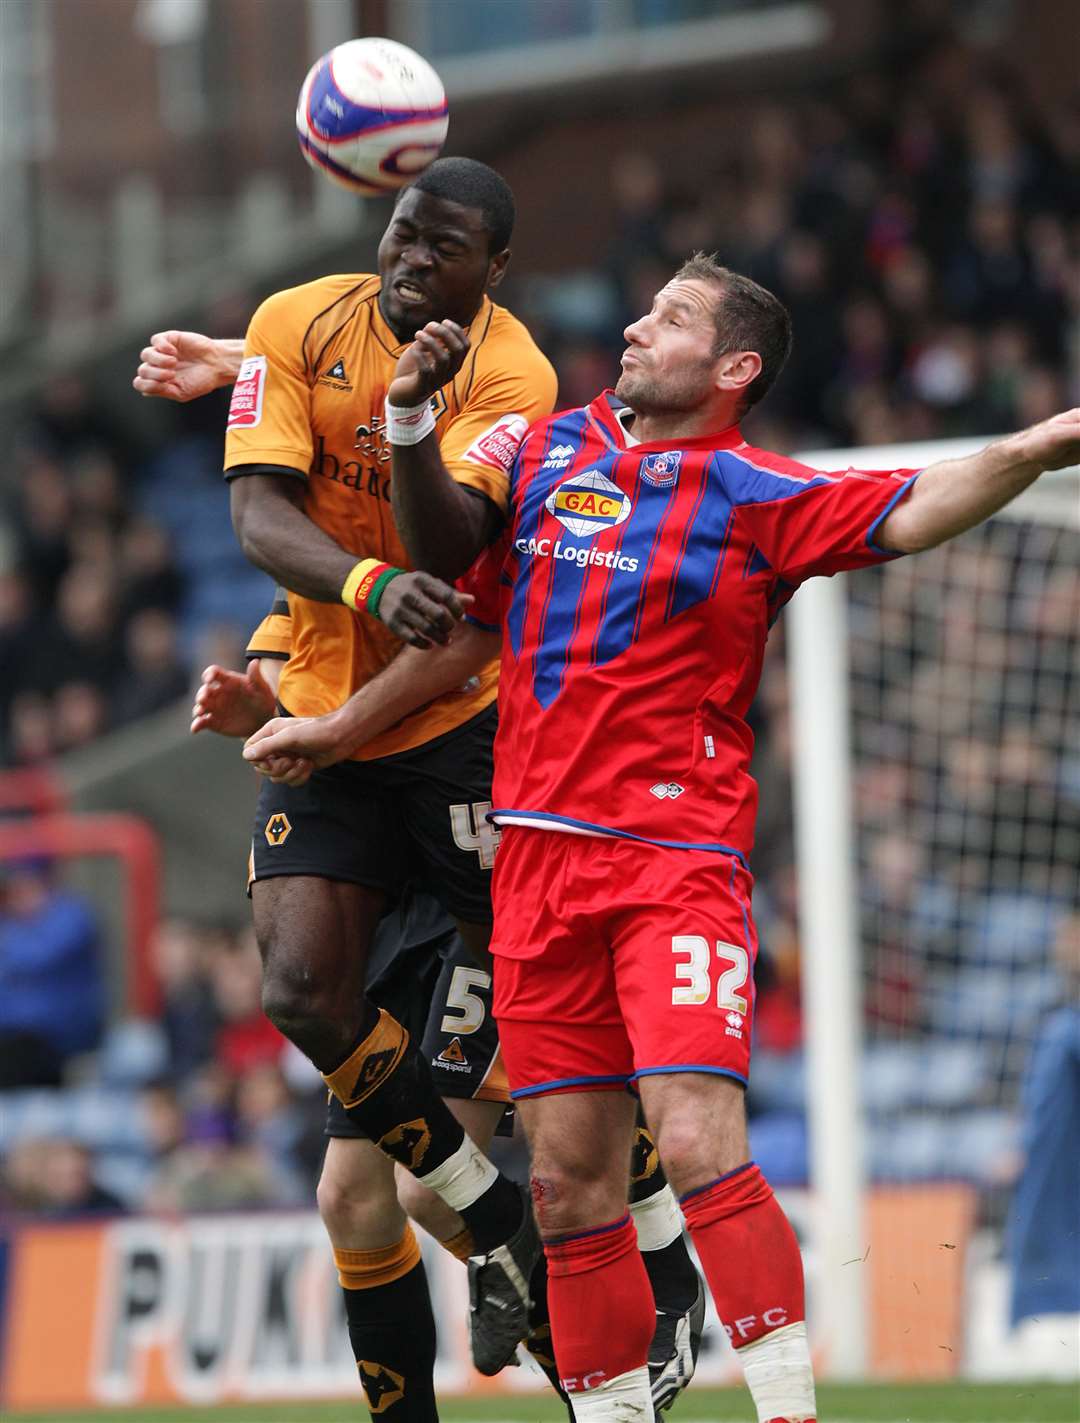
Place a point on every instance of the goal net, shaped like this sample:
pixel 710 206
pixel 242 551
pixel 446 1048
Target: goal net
pixel 955 725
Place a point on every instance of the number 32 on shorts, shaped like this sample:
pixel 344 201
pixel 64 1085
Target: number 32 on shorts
pixel 693 982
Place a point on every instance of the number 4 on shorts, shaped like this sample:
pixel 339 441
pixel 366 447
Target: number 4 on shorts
pixel 473 831
pixel 692 980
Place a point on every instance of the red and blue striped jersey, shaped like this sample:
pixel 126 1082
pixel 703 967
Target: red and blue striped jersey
pixel 635 586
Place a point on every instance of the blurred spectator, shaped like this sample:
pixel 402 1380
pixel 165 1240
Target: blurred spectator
pixel 42 523
pixel 149 577
pixel 30 729
pixel 83 644
pixel 54 1178
pixel 1043 1242
pixel 51 988
pixel 156 675
pixel 163 1115
pixel 209 1118
pixel 270 1119
pixel 181 957
pixel 79 715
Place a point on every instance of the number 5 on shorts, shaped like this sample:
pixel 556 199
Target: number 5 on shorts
pixel 470 1005
pixel 693 983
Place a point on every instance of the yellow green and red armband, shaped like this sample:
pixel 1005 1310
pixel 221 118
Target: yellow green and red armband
pixel 366 583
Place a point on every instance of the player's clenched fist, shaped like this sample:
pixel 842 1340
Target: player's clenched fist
pixel 436 355
pixel 421 609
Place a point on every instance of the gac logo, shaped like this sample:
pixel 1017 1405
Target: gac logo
pixel 278 828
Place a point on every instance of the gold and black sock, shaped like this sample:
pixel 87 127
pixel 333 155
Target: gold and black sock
pixel 659 1227
pixel 391 1329
pixel 386 1088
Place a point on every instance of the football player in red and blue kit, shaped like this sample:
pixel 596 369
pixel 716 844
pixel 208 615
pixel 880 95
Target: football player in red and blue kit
pixel 648 550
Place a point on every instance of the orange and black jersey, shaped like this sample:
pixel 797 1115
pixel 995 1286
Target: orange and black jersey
pixel 309 401
pixel 273 637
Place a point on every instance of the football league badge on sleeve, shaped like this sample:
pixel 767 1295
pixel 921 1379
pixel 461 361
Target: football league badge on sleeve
pixel 661 470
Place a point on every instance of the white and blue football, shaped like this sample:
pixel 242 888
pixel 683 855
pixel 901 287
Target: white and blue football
pixel 371 115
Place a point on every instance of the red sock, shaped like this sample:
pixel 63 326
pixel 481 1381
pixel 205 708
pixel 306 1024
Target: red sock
pixel 749 1253
pixel 601 1304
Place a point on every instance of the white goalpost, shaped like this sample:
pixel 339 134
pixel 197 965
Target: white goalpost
pixel 911 684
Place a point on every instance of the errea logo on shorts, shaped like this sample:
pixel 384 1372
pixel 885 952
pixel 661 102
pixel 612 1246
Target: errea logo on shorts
pixel 588 503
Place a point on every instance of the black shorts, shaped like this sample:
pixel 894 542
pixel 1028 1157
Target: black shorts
pixel 416 819
pixel 443 997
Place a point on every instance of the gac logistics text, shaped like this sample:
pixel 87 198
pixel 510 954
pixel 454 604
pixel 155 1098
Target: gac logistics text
pixel 583 557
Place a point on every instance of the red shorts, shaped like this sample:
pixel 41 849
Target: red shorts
pixel 617 959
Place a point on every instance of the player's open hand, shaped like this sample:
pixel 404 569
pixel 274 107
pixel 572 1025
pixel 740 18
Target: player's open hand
pixel 231 703
pixel 436 355
pixel 179 365
pixel 421 609
pixel 289 748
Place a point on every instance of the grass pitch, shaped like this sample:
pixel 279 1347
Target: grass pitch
pixel 866 1403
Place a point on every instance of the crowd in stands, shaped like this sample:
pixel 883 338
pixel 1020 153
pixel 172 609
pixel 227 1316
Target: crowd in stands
pixel 921 227
pixel 90 589
pixel 924 235
pixel 206 1108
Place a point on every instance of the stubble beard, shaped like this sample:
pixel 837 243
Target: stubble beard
pixel 647 396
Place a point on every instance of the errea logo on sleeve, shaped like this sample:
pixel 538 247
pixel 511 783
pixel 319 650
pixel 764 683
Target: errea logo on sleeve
pixel 497 447
pixel 245 408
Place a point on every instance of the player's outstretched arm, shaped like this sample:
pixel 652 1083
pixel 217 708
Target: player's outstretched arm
pixel 955 495
pixel 236 703
pixel 182 365
pixel 411 680
pixel 442 524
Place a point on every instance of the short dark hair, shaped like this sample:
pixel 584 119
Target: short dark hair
pixel 473 185
pixel 748 318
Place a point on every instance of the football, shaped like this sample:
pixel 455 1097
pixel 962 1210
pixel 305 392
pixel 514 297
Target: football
pixel 371 115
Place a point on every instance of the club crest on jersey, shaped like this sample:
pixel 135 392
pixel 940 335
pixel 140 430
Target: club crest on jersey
pixel 661 470
pixel 588 503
